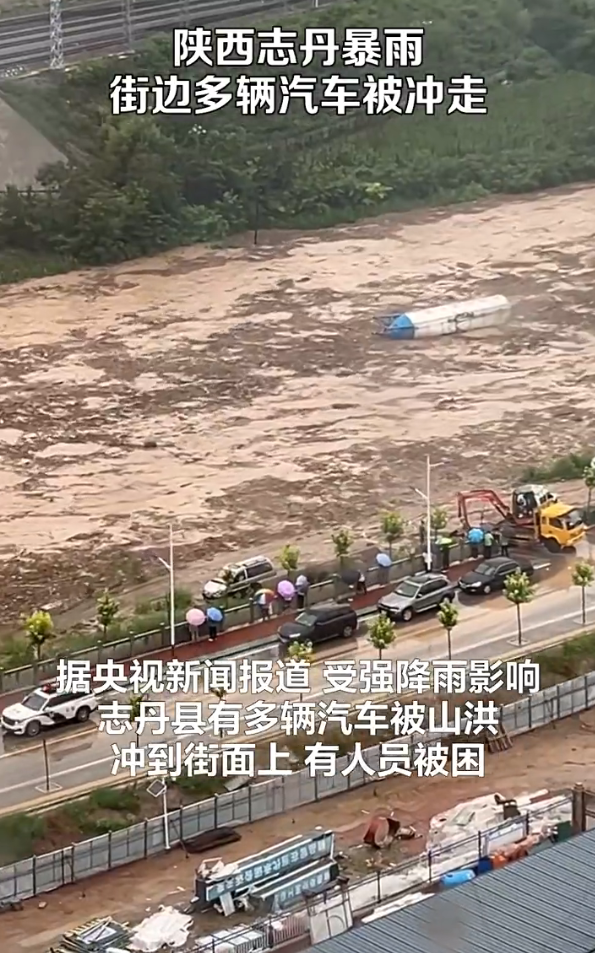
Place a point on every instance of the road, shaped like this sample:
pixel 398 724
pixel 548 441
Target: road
pixel 487 629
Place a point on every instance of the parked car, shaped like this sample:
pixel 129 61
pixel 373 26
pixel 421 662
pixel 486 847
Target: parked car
pixel 415 594
pixel 328 620
pixel 251 571
pixel 45 707
pixel 491 574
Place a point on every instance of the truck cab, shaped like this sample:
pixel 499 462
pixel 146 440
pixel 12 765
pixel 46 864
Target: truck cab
pixel 537 512
pixel 559 526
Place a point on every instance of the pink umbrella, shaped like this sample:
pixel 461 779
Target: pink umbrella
pixel 195 617
pixel 286 589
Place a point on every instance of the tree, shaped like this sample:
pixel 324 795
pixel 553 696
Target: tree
pixel 589 481
pixel 301 652
pixel 438 519
pixel 342 541
pixel 583 575
pixel 39 627
pixel 381 633
pixel 393 526
pixel 519 590
pixel 289 558
pixel 220 694
pixel 136 706
pixel 448 617
pixel 107 610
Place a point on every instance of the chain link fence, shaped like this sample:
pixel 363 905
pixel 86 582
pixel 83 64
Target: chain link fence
pixel 37 875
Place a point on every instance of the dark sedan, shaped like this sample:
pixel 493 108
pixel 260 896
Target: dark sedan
pixel 491 574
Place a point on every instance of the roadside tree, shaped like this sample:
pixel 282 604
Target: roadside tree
pixel 289 558
pixel 393 527
pixel 583 576
pixel 589 481
pixel 39 627
pixel 342 541
pixel 519 590
pixel 448 617
pixel 107 610
pixel 381 634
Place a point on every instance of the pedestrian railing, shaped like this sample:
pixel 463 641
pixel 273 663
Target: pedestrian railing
pixel 145 643
pixel 37 875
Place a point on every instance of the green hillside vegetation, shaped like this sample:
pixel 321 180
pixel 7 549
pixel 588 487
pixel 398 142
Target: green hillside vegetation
pixel 137 184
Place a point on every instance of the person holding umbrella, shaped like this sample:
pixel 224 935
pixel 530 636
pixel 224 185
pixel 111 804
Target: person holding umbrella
pixel 286 593
pixel 302 584
pixel 215 620
pixel 475 539
pixel 195 617
pixel 355 579
pixel 264 599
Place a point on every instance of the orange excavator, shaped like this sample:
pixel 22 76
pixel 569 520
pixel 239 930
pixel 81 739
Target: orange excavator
pixel 534 515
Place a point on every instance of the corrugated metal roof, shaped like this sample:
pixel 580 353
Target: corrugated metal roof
pixel 543 904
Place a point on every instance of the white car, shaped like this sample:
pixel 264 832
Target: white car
pixel 45 707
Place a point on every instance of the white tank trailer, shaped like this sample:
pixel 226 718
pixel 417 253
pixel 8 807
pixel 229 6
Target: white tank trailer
pixel 454 318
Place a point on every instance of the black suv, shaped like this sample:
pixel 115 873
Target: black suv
pixel 418 593
pixel 252 571
pixel 491 574
pixel 319 623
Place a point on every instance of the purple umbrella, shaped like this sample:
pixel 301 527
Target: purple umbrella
pixel 195 617
pixel 286 590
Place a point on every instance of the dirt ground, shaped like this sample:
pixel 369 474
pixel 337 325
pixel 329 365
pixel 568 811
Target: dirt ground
pixel 276 411
pixel 23 150
pixel 554 757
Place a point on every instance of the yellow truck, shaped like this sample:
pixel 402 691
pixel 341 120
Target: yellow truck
pixel 535 515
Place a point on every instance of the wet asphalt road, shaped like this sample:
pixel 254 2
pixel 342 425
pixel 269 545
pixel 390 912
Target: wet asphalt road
pixel 486 629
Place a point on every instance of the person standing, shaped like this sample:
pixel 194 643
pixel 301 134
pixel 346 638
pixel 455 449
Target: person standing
pixel 488 544
pixel 302 585
pixel 504 544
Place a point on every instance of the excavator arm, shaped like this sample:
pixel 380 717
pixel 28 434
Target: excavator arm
pixel 487 497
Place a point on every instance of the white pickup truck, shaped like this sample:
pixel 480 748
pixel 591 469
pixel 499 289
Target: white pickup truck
pixel 45 707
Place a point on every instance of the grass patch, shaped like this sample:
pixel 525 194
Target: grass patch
pixel 112 809
pixel 570 467
pixel 15 651
pixel 573 658
pixel 19 833
pixel 17 265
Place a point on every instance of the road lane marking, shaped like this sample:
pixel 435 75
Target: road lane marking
pixel 86 789
pixel 414 631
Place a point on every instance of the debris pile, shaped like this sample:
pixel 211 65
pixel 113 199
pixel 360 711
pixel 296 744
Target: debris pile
pixel 166 929
pixel 272 881
pixel 98 936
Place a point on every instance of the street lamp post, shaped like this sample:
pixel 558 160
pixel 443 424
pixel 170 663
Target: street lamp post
pixel 427 497
pixel 172 588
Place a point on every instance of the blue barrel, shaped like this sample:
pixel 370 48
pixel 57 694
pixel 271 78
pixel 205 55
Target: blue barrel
pixel 456 878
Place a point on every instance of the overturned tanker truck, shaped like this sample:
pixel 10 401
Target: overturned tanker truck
pixel 454 318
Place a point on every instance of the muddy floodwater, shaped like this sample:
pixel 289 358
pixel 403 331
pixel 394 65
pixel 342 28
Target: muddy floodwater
pixel 271 408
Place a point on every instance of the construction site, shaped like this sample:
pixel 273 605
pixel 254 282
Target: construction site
pixel 378 851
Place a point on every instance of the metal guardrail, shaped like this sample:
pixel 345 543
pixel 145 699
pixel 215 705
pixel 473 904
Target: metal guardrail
pixel 155 640
pixel 37 875
pixel 30 42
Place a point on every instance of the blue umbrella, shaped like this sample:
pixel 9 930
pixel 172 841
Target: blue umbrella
pixel 214 614
pixel 475 536
pixel 384 560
